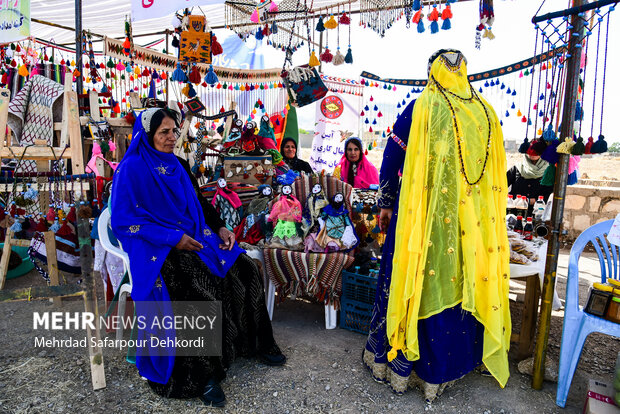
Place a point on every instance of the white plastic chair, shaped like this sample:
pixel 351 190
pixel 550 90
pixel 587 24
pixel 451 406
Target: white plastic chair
pixel 125 289
pixel 331 315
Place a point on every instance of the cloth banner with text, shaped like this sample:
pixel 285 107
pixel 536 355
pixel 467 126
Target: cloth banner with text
pixel 337 118
pixel 150 9
pixel 14 20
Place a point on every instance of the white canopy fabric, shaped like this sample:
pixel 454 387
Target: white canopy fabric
pixel 107 17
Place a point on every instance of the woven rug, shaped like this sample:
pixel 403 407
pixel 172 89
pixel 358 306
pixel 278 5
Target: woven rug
pixel 317 275
pixel 31 113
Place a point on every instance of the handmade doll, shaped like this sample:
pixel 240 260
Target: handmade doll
pixel 232 143
pixel 265 137
pixel 227 204
pixel 336 229
pixel 254 227
pixel 248 138
pixel 286 213
pixel 315 203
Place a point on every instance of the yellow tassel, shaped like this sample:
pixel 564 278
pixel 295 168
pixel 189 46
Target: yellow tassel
pixel 519 114
pixel 331 23
pixel 185 90
pixel 566 146
pixel 539 132
pixel 314 61
pixel 202 169
pixel 337 173
pixel 23 71
pixel 137 71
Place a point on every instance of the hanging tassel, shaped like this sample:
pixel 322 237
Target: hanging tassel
pixel 331 23
pixel 319 26
pixel 23 71
pixel 600 146
pixel 421 26
pixel 349 56
pixel 16 227
pixel 525 145
pixel 95 209
pixel 550 154
pixel 579 148
pixel 216 47
pixel 179 75
pixel 326 56
pixel 446 25
pixel 572 178
pixel 273 7
pixel 194 76
pixel 211 77
pixel 259 34
pixel 434 27
pixel 548 177
pixel 417 17
pixel 446 13
pixel 588 149
pixel 549 134
pixel 55 227
pixel 64 230
pixel 578 112
pixel 314 61
pixel 566 147
pixel 175 42
pixel 192 92
pixel 274 27
pixel 417 5
pixel 434 15
pixel 338 58
pixel 254 16
pixel 344 19
pixel 185 90
pixel 85 211
pixel 41 225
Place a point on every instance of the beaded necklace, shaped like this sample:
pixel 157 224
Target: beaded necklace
pixel 443 92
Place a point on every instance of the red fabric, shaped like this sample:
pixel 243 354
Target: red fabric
pixel 229 195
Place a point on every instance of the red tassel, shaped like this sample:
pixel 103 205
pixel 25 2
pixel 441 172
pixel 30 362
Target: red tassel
pixel 216 47
pixel 434 16
pixel 51 215
pixel 194 76
pixel 417 16
pixel 5 78
pixel 42 225
pixel 64 230
pixel 117 108
pixel 446 13
pixel 2 214
pixel 326 56
pixel 524 119
pixel 12 210
pixel 71 216
pixel 344 19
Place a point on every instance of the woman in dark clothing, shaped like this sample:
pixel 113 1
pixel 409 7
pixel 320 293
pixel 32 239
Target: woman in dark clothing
pixel 180 250
pixel 524 177
pixel 288 149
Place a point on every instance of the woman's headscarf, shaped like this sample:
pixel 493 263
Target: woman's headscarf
pixel 533 169
pixel 153 204
pixel 295 163
pixel 366 174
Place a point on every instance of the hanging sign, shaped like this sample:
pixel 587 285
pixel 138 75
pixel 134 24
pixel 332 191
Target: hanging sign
pixel 14 20
pixel 150 9
pixel 336 120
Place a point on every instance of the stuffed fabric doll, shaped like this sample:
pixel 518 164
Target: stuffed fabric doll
pixel 254 227
pixel 315 203
pixel 248 138
pixel 336 231
pixel 286 213
pixel 227 204
pixel 265 137
pixel 232 144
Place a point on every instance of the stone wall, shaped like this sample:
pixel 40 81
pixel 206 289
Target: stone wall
pixel 587 205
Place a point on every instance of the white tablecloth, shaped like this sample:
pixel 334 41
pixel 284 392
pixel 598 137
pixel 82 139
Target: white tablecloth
pixel 518 271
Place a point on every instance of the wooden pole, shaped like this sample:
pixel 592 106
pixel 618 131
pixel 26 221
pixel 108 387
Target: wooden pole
pixel 559 194
pixel 78 46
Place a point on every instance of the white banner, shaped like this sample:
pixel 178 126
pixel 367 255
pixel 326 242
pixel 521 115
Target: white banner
pixel 14 20
pixel 337 118
pixel 150 9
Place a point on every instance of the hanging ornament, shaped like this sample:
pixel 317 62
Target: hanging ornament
pixel 319 26
pixel 331 23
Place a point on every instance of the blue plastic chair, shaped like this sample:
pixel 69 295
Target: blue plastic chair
pixel 578 324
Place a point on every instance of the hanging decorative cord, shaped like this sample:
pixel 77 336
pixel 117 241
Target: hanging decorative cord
pixel 598 48
pixel 604 74
pixel 529 109
pixel 579 112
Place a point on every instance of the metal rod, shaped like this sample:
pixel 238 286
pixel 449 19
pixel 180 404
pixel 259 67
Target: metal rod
pixel 78 45
pixel 559 196
pixel 167 77
pixel 573 10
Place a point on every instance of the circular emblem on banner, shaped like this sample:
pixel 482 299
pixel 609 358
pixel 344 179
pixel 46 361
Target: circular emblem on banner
pixel 332 107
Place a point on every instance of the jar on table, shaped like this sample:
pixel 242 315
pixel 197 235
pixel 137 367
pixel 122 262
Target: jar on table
pixel 613 309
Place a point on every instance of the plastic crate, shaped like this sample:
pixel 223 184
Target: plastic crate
pixel 359 288
pixel 355 316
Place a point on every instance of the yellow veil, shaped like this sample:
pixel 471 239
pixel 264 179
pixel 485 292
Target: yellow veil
pixel 451 244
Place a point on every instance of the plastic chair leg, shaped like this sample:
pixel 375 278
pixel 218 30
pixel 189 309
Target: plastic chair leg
pixel 271 295
pixel 570 352
pixel 331 319
pixel 122 301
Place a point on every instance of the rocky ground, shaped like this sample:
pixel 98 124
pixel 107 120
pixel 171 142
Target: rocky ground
pixel 324 373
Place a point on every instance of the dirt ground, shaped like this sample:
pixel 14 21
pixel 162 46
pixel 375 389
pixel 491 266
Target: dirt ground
pixel 324 373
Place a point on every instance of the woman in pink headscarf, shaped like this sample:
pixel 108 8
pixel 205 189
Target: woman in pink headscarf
pixel 355 169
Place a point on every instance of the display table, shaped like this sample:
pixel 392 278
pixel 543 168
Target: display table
pixel 534 275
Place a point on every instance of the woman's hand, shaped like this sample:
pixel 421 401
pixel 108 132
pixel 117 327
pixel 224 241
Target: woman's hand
pixel 385 215
pixel 228 237
pixel 187 243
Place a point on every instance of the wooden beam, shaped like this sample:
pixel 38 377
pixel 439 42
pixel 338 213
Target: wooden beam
pixel 6 255
pixel 75 134
pixel 36 153
pixel 52 262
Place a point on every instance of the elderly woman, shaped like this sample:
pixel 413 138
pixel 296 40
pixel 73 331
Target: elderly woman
pixel 355 169
pixel 288 149
pixel 180 250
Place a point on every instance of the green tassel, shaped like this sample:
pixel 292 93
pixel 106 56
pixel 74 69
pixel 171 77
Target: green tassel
pixel 548 177
pixel 579 148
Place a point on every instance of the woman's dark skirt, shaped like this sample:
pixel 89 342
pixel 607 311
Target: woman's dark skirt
pixel 246 329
